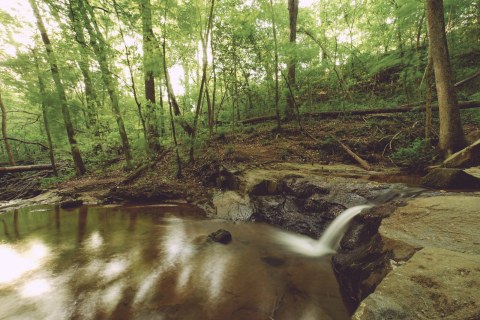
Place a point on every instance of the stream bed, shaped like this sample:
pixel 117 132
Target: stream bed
pixel 154 262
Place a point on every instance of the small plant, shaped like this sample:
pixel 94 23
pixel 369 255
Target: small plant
pixel 415 157
pixel 229 149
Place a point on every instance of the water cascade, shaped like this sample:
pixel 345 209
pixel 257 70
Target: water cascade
pixel 330 239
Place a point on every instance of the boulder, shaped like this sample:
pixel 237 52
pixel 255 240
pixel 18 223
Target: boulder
pixel 468 157
pixel 232 206
pixel 447 178
pixel 434 284
pixel 221 236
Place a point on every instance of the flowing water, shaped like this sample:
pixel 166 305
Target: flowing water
pixel 330 239
pixel 154 262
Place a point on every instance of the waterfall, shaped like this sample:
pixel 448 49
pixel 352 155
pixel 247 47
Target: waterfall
pixel 328 242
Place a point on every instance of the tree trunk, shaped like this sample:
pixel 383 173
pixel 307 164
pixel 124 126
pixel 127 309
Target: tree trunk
pixel 203 80
pixel 293 13
pixel 452 137
pixel 46 124
pixel 93 103
pixel 11 160
pixel 100 48
pixel 36 167
pixel 52 60
pixel 153 142
pixel 277 93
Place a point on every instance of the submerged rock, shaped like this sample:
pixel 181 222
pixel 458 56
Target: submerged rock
pixel 221 236
pixel 71 203
pixel 446 178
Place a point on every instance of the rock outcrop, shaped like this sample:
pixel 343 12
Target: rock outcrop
pixel 434 249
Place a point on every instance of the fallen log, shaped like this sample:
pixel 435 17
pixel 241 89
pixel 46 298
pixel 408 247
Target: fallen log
pixel 334 114
pixel 36 167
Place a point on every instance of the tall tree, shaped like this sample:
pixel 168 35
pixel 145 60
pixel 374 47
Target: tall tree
pixel 276 67
pixel 149 43
pixel 46 123
pixel 100 49
pixel 11 160
pixel 52 60
pixel 291 78
pixel 452 137
pixel 204 41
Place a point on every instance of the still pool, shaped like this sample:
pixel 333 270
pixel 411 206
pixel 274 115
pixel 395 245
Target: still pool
pixel 154 262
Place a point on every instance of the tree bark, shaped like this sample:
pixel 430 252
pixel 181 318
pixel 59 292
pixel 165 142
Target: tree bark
pixel 52 60
pixel 11 160
pixel 291 65
pixel 451 135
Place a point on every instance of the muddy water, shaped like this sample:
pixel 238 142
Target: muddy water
pixel 154 262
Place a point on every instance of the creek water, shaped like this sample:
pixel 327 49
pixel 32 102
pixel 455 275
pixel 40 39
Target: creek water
pixel 154 262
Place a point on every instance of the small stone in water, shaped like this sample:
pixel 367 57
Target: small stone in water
pixel 72 203
pixel 221 235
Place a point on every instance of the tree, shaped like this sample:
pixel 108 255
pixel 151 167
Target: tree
pixel 293 13
pixel 46 124
pixel 11 160
pixel 452 137
pixel 52 60
pixel 149 43
pixel 100 49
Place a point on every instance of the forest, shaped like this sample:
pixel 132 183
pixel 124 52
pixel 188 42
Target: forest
pixel 239 159
pixel 91 82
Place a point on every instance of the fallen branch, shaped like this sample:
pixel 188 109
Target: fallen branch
pixel 37 167
pixel 27 142
pixel 334 114
pixel 363 163
pixel 473 76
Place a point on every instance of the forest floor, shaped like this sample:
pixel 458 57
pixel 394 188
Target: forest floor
pixel 373 138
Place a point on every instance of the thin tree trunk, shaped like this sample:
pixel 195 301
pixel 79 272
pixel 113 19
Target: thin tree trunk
pixel 46 124
pixel 293 13
pixel 132 79
pixel 153 142
pixel 277 93
pixel 11 160
pixel 452 137
pixel 428 104
pixel 203 80
pixel 52 60
pixel 100 48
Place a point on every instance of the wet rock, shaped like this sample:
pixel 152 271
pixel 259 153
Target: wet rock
pixel 232 206
pixel 446 178
pixel 448 221
pixel 71 203
pixel 468 157
pixel 221 236
pixel 434 284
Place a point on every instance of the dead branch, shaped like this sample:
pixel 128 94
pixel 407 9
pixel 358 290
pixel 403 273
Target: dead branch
pixel 37 167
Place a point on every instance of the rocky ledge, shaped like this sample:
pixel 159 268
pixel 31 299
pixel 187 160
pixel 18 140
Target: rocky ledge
pixel 435 259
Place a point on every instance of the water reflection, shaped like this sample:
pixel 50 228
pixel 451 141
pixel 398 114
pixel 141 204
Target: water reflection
pixel 154 263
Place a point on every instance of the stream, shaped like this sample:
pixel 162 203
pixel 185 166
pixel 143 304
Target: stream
pixel 155 262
